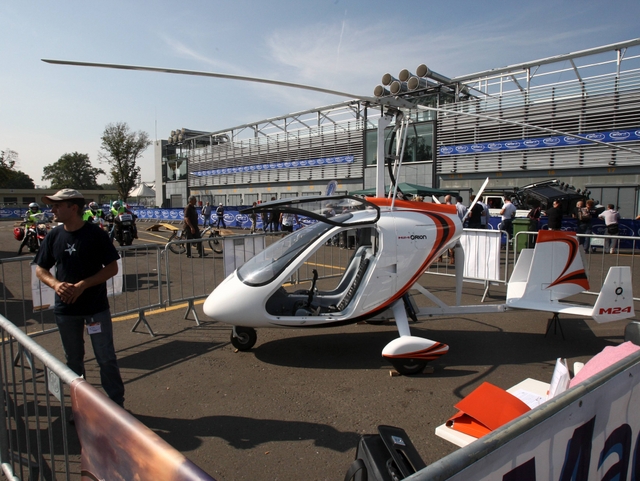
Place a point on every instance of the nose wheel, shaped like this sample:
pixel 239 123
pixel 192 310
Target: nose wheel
pixel 408 367
pixel 243 338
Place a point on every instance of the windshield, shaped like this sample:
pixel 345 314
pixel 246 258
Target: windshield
pixel 269 263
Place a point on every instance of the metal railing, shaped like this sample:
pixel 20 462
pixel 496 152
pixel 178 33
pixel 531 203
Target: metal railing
pixel 34 441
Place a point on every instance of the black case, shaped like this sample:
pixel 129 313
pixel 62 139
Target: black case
pixel 387 456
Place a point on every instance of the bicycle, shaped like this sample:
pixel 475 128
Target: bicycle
pixel 215 243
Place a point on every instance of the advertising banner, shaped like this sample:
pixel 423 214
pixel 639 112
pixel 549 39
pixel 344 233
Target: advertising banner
pixel 539 143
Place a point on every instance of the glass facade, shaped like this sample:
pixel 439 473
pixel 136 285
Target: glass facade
pixel 419 146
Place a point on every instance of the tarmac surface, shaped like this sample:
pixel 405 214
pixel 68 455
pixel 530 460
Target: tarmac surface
pixel 295 406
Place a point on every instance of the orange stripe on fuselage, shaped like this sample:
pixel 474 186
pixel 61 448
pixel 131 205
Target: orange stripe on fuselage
pixel 445 231
pixel 419 206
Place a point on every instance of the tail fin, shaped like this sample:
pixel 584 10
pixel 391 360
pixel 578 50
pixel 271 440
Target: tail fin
pixel 615 301
pixel 552 272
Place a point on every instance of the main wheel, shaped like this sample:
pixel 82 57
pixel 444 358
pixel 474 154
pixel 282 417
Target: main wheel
pixel 407 367
pixel 215 242
pixel 178 248
pixel 244 339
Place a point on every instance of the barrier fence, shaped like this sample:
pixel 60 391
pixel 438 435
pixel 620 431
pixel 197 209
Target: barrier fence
pixel 33 432
pixel 154 277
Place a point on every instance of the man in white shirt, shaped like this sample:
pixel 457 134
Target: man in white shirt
pixel 508 213
pixel 611 219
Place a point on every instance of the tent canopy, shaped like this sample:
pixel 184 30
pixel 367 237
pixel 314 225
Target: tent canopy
pixel 142 190
pixel 407 188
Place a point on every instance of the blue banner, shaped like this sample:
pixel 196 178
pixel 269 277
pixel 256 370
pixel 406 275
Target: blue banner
pixel 539 143
pixel 293 164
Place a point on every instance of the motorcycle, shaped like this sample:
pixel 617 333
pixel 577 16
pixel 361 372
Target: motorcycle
pixel 123 225
pixel 34 234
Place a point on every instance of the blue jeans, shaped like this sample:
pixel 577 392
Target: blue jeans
pixel 72 335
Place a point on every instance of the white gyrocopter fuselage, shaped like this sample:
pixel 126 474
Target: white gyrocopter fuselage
pixel 392 247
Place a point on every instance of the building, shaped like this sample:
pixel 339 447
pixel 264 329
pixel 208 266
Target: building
pixel 21 198
pixel 574 117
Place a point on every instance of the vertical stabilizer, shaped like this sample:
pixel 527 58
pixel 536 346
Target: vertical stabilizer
pixel 556 270
pixel 615 301
pixel 552 271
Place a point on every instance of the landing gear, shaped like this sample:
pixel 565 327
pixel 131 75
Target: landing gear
pixel 408 367
pixel 243 338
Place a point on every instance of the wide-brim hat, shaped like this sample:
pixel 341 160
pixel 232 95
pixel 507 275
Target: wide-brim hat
pixel 61 195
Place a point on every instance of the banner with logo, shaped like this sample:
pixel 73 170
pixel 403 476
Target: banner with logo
pixel 293 164
pixel 539 142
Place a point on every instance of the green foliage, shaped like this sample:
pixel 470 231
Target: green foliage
pixel 72 171
pixel 121 149
pixel 9 176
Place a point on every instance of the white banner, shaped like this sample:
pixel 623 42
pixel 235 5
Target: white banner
pixel 481 254
pixel 44 297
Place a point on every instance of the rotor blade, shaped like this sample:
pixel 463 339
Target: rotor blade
pixel 395 102
pixel 475 201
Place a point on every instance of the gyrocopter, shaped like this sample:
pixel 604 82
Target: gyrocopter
pixel 395 242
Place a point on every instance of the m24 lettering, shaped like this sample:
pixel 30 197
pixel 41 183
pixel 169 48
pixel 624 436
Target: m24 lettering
pixel 614 310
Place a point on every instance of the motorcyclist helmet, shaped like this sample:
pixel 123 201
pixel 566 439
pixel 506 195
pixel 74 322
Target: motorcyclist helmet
pixel 34 206
pixel 116 205
pixel 93 206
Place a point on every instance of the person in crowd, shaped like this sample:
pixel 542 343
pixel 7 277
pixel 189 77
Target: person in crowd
pixel 220 216
pixel 254 219
pixel 611 219
pixel 584 218
pixel 476 215
pixel 93 212
pixel 30 220
pixel 274 220
pixel 460 208
pixel 191 225
pixel 486 215
pixel 508 213
pixel 288 220
pixel 85 260
pixel 118 208
pixel 206 214
pixel 534 222
pixel 554 216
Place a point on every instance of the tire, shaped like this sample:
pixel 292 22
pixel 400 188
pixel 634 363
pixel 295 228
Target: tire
pixel 32 243
pixel 215 242
pixel 246 338
pixel 176 248
pixel 408 367
pixel 127 238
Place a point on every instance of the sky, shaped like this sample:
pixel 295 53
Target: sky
pixel 49 110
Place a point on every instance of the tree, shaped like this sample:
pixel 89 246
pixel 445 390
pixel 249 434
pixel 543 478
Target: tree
pixel 121 148
pixel 9 176
pixel 72 171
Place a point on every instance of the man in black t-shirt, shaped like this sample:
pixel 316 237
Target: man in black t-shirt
pixel 554 216
pixel 84 259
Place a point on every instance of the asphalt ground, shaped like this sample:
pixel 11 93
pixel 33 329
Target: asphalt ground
pixel 295 406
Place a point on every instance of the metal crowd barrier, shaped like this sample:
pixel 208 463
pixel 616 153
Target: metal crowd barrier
pixel 475 266
pixel 142 283
pixel 34 441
